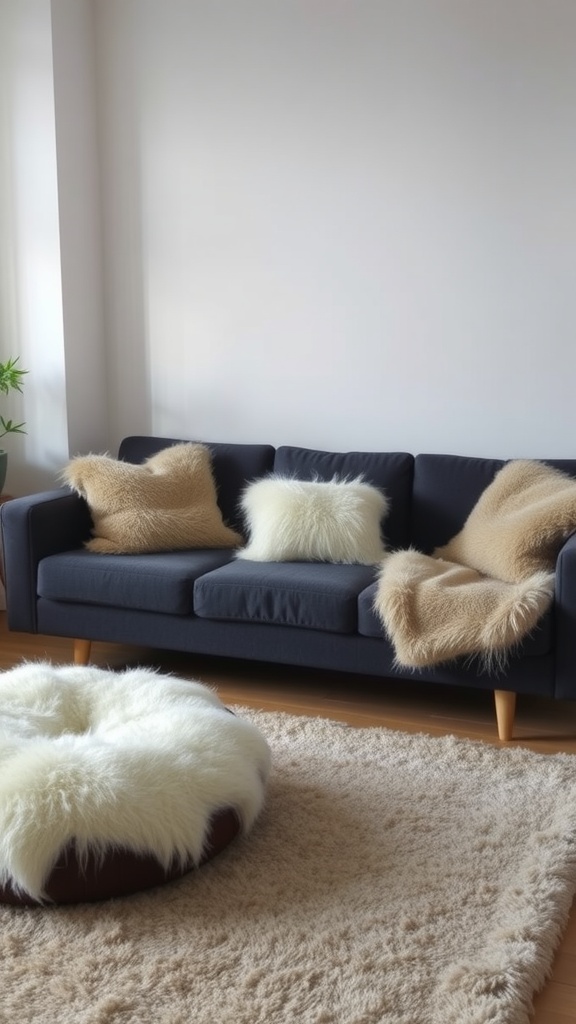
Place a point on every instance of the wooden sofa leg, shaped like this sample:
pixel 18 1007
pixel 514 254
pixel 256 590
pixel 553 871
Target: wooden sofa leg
pixel 505 702
pixel 82 651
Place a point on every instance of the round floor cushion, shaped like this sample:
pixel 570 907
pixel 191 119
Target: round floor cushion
pixel 112 782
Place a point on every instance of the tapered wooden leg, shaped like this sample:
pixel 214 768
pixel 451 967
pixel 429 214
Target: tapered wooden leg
pixel 505 702
pixel 82 651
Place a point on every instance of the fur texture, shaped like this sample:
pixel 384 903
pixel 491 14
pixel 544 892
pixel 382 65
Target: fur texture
pixel 393 878
pixel 436 611
pixel 168 502
pixel 518 524
pixel 485 590
pixel 328 521
pixel 130 759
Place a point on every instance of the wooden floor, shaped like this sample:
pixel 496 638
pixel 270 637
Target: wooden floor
pixel 542 725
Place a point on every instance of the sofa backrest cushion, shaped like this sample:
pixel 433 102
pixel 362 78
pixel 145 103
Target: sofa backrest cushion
pixel 233 466
pixel 446 488
pixel 566 465
pixel 390 471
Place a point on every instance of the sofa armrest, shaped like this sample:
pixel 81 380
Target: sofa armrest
pixel 32 528
pixel 565 621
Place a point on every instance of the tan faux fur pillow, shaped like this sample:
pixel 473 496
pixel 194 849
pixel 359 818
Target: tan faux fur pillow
pixel 518 524
pixel 167 503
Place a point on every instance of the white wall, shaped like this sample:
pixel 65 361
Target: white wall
pixel 51 296
pixel 80 219
pixel 30 293
pixel 344 225
pixel 341 225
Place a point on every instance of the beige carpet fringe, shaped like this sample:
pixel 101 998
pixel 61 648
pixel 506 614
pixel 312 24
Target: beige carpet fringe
pixel 391 879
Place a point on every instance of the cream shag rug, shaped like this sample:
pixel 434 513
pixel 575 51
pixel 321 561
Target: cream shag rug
pixel 390 879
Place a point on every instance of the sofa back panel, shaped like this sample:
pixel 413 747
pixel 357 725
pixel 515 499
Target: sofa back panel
pixel 390 471
pixel 446 488
pixel 234 465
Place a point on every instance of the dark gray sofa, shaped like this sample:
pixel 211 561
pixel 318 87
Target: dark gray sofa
pixel 312 614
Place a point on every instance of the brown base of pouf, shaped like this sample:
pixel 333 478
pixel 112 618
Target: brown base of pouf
pixel 118 872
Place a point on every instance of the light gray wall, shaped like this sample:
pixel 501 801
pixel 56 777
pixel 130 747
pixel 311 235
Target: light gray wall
pixel 51 297
pixel 80 220
pixel 30 269
pixel 344 225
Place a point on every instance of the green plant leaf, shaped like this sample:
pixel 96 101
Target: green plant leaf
pixel 11 376
pixel 11 379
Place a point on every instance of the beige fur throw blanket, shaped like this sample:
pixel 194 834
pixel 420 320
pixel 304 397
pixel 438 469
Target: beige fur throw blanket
pixel 485 590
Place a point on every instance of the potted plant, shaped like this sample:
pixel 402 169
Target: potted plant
pixel 11 379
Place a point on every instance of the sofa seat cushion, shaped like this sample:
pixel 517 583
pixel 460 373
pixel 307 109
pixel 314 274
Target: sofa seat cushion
pixel 537 644
pixel 313 595
pixel 160 582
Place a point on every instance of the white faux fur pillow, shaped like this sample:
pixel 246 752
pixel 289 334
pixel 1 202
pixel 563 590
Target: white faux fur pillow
pixel 301 521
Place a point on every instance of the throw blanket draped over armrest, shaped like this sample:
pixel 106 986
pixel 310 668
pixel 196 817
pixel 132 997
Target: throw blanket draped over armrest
pixel 485 590
pixel 435 611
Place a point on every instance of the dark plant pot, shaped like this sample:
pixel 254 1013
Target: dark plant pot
pixel 3 468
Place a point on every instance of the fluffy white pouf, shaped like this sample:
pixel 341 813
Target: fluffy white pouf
pixel 132 760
